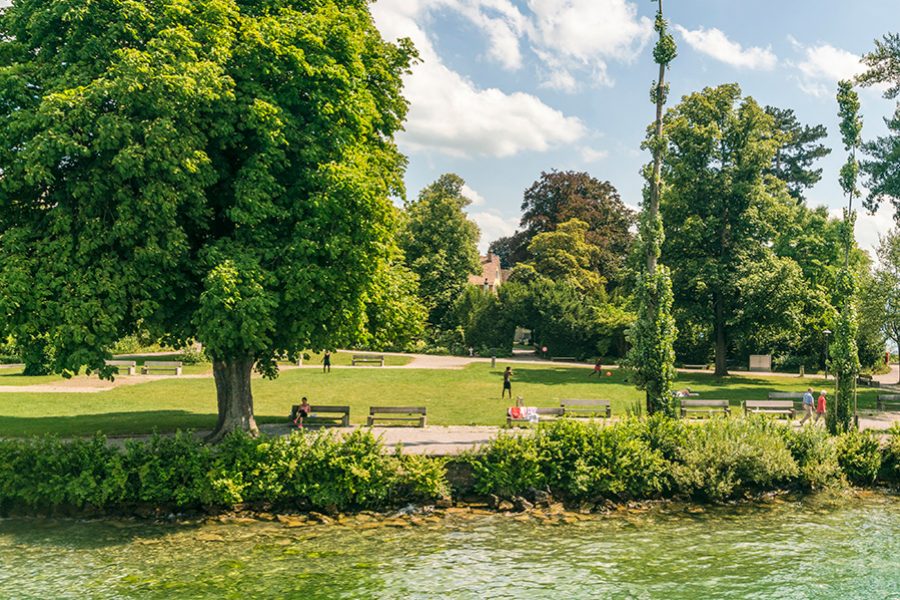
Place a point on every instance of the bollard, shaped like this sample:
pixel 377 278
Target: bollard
pixel 802 371
pixel 493 361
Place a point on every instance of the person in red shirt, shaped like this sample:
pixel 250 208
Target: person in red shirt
pixel 820 407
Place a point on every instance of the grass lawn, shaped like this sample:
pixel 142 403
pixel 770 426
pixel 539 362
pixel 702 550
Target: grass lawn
pixel 469 396
pixel 13 375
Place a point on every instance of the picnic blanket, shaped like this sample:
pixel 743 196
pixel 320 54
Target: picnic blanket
pixel 523 413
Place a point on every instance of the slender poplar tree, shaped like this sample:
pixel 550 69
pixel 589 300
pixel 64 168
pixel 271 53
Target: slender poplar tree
pixel 652 355
pixel 844 351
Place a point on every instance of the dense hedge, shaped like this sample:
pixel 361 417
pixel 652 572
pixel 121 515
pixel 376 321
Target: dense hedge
pixel 663 458
pixel 304 471
pixel 574 461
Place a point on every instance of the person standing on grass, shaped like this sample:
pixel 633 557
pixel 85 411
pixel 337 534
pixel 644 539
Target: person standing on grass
pixel 820 407
pixel 807 406
pixel 598 369
pixel 507 383
pixel 326 362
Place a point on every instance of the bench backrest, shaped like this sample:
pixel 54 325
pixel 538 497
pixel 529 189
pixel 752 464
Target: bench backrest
pixel 121 363
pixel 769 404
pixel 162 364
pixel 705 403
pixel 583 403
pixel 397 410
pixel 368 356
pixel 786 395
pixel 324 408
pixel 888 397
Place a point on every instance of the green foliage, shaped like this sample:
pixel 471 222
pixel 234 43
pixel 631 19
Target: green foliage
pixel 510 465
pixel 890 463
pixel 440 244
pixel 652 337
pixel 816 457
pixel 727 458
pixel 395 314
pixel 317 471
pixel 799 149
pixel 213 170
pixel 484 322
pixel 859 455
pixel 665 50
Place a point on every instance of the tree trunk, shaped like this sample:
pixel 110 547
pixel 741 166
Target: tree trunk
pixel 721 339
pixel 234 397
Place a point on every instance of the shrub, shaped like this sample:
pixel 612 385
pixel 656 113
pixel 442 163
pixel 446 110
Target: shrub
pixel 890 462
pixel 507 466
pixel 727 458
pixel 168 470
pixel 815 455
pixel 859 455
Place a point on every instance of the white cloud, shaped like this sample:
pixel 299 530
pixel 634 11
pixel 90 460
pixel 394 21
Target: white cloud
pixel 590 155
pixel 823 65
pixel 500 20
pixel 493 227
pixel 713 42
pixel 450 114
pixel 470 193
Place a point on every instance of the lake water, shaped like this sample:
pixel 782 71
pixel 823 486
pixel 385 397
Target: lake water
pixel 817 548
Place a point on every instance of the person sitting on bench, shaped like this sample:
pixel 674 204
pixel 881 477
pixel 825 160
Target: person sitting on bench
pixel 302 412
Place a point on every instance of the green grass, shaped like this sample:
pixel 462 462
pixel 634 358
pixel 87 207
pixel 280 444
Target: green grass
pixel 469 396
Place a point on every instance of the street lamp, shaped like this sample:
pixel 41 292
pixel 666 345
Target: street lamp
pixel 827 332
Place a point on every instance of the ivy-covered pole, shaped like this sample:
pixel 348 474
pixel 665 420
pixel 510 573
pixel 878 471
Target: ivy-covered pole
pixel 844 351
pixel 652 355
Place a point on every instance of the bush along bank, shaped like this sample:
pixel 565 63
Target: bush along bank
pixel 570 461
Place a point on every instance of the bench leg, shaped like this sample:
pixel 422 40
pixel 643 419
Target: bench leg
pixel 369 421
pixel 345 421
pixel 422 422
pixel 178 371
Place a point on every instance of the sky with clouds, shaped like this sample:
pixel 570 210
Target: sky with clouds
pixel 506 89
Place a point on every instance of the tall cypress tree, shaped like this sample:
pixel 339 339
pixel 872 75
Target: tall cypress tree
pixel 652 355
pixel 844 351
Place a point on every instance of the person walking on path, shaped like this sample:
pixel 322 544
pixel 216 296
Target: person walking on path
pixel 807 406
pixel 326 362
pixel 820 407
pixel 507 383
pixel 598 369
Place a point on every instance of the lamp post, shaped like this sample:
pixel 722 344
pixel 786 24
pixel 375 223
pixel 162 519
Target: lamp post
pixel 827 332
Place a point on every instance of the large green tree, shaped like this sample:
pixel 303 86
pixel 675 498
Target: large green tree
pixel 441 244
pixel 799 150
pixel 882 168
pixel 881 295
pixel 844 350
pixel 719 206
pixel 217 170
pixel 559 196
pixel 652 354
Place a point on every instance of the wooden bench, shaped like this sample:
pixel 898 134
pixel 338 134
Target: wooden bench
pixel 771 407
pixel 868 381
pixel 320 414
pixel 543 412
pixel 586 408
pixel 704 407
pixel 786 395
pixel 694 367
pixel 119 364
pixel 884 400
pixel 363 359
pixel 161 365
pixel 415 414
pixel 562 359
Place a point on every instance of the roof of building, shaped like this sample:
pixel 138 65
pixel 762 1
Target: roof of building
pixel 491 273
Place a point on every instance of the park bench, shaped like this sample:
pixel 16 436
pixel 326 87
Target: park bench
pixel 320 414
pixel 704 407
pixel 130 365
pixel 562 359
pixel 770 407
pixel 586 408
pixel 868 381
pixel 415 414
pixel 542 412
pixel 888 402
pixel 694 367
pixel 161 365
pixel 368 358
pixel 786 395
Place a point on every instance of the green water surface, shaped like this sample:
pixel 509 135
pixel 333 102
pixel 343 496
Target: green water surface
pixel 815 548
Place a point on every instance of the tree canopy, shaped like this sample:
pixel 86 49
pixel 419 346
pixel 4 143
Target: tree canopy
pixel 218 170
pixel 799 150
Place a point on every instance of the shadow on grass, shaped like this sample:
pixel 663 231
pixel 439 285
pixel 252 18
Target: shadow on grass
pixel 115 423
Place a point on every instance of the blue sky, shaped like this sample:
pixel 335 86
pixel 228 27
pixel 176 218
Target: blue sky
pixel 508 88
